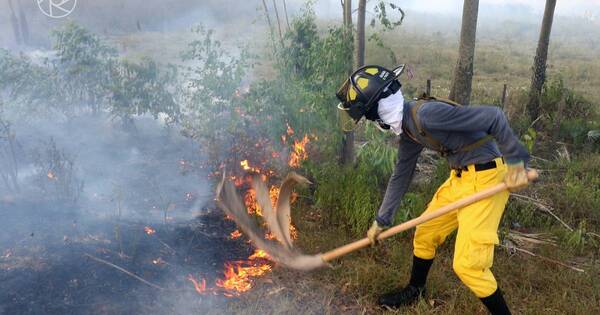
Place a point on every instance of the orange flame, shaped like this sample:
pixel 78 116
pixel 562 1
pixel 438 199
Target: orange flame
pixel 149 230
pixel 199 286
pixel 246 167
pixel 250 202
pixel 235 234
pixel 299 152
pixel 238 278
pixel 259 253
pixel 238 275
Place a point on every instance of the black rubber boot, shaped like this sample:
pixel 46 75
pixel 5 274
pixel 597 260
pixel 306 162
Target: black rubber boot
pixel 414 290
pixel 495 303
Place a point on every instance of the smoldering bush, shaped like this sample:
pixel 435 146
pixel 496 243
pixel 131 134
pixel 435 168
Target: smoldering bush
pixel 55 175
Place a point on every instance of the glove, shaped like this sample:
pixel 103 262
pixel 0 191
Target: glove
pixel 516 177
pixel 373 231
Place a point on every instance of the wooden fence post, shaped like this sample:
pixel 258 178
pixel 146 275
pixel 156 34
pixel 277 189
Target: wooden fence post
pixel 503 100
pixel 428 89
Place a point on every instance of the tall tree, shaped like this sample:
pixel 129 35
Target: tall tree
pixel 15 23
pixel 359 45
pixel 347 11
pixel 287 21
pixel 348 137
pixel 24 25
pixel 278 21
pixel 268 18
pixel 460 90
pixel 539 62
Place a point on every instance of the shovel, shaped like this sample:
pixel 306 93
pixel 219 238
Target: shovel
pixel 284 253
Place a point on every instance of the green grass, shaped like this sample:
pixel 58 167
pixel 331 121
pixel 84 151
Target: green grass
pixel 531 285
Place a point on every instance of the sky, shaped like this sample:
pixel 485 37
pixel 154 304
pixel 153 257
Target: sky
pixel 500 9
pixel 563 7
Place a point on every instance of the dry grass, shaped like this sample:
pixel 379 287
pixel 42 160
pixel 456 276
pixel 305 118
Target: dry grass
pixel 531 286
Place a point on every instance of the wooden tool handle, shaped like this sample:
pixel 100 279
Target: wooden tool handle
pixel 346 249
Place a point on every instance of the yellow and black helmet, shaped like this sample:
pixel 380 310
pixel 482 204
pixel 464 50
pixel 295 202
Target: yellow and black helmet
pixel 361 92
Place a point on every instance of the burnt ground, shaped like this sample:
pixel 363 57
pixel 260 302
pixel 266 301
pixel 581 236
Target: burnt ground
pixel 44 268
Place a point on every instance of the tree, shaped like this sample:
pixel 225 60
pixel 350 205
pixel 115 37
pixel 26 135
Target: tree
pixel 24 25
pixel 83 62
pixel 348 137
pixel 210 97
pixel 347 14
pixel 539 62
pixel 359 52
pixel 15 23
pixel 137 88
pixel 9 146
pixel 460 90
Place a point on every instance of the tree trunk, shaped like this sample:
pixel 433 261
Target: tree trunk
pixel 268 18
pixel 539 63
pixel 347 157
pixel 15 24
pixel 278 22
pixel 359 45
pixel 287 21
pixel 460 90
pixel 24 25
pixel 347 13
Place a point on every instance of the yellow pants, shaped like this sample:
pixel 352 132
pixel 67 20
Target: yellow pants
pixel 477 227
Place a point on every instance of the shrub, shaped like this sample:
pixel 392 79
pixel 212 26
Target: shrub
pixel 56 175
pixel 350 196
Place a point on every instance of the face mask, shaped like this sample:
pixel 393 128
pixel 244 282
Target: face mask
pixel 390 111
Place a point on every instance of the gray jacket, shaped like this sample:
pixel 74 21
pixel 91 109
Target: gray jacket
pixel 454 127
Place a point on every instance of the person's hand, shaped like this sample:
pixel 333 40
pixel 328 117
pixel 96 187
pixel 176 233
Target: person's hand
pixel 516 177
pixel 373 231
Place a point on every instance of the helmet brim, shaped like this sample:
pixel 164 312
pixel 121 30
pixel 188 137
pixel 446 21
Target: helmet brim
pixel 345 120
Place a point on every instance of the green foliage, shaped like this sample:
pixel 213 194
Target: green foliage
pixel 594 135
pixel 86 75
pixel 216 75
pixel 213 108
pixel 581 189
pixel 378 151
pixel 77 48
pixel 350 196
pixel 382 16
pixel 28 88
pixel 310 69
pixel 579 240
pixel 575 106
pixel 577 131
pixel 529 139
pixel 139 88
pixel 83 64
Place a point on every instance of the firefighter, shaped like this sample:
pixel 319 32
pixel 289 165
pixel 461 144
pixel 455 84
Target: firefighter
pixel 482 151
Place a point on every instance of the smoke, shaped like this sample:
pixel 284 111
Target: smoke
pixel 88 187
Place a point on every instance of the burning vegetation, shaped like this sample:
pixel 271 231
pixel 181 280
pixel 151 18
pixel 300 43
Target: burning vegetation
pixel 238 275
pixel 142 255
